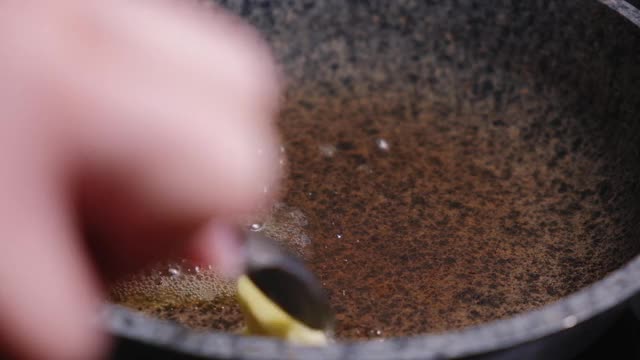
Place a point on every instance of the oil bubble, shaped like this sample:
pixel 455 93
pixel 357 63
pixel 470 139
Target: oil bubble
pixel 174 271
pixel 172 283
pixel 382 144
pixel 305 240
pixel 327 150
pixel 286 225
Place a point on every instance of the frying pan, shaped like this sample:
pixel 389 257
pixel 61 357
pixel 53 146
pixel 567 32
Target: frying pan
pixel 572 68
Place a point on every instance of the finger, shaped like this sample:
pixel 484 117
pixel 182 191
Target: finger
pixel 171 130
pixel 221 245
pixel 175 110
pixel 48 302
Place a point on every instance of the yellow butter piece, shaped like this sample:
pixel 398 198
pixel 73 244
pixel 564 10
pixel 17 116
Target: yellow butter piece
pixel 265 318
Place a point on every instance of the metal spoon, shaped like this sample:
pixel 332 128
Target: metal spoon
pixel 287 282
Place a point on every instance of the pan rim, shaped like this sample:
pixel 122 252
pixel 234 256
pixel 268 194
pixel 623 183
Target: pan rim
pixel 561 315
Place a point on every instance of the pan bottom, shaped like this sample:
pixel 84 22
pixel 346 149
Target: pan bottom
pixel 423 217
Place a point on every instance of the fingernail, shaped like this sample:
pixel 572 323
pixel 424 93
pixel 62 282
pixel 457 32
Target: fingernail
pixel 226 245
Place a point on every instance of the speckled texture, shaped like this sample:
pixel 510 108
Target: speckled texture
pixel 523 116
pixel 464 219
pixel 222 314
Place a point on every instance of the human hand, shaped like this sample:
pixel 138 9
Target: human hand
pixel 130 131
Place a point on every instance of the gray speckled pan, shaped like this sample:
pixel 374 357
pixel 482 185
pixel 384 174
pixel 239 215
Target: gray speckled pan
pixel 534 106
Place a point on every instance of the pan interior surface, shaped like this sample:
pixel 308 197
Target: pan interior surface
pixel 448 164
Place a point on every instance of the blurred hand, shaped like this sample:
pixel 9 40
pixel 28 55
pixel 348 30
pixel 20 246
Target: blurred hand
pixel 130 131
